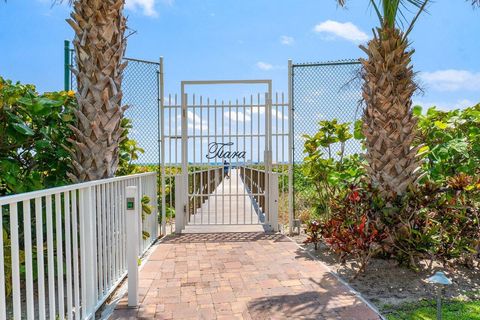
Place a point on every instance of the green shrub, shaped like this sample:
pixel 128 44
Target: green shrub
pixel 438 218
pixel 452 139
pixel 34 129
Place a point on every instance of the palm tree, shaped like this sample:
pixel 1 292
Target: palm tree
pixel 99 44
pixel 388 122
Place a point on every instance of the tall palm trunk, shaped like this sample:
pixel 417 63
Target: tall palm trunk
pixel 100 44
pixel 388 123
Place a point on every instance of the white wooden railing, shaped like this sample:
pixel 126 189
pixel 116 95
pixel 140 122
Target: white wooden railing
pixel 66 247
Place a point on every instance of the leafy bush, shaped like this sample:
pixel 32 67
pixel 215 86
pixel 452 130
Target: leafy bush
pixel 33 130
pixel 331 173
pixel 452 139
pixel 438 218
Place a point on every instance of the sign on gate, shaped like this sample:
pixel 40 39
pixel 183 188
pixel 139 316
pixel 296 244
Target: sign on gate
pixel 220 150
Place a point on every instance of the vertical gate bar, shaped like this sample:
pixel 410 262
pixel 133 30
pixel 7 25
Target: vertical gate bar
pixel 201 159
pixel 186 201
pixel 251 154
pixel 236 163
pixel 244 159
pixel 258 150
pixel 170 149
pixel 268 135
pixel 283 149
pixel 40 260
pixel 291 149
pixel 223 173
pixel 194 176
pixel 162 146
pixel 276 127
pixel 216 160
pixel 230 163
pixel 207 160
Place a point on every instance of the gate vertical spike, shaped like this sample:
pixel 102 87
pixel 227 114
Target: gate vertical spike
pixel 208 161
pixel 200 200
pixel 216 160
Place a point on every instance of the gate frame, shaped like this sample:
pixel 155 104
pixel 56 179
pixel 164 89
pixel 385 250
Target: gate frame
pixel 184 134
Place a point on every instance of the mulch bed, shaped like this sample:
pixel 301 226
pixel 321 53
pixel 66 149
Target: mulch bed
pixel 388 285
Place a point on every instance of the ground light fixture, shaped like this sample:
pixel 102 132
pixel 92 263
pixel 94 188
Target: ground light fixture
pixel 439 279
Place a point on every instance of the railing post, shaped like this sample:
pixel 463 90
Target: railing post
pixel 87 250
pixel 291 149
pixel 132 217
pixel 180 206
pixel 273 200
pixel 66 71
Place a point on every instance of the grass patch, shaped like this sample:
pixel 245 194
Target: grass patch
pixel 452 310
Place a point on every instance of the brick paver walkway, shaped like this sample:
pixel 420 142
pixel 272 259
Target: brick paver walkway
pixel 239 276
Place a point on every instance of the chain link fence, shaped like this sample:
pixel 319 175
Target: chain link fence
pixel 321 91
pixel 141 94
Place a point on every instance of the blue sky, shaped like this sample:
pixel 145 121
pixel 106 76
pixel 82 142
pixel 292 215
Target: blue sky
pixel 212 39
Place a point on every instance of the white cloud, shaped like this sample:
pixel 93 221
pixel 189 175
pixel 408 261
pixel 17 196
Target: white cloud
pixel 260 110
pixel 264 66
pixel 278 114
pixel 147 6
pixel 237 116
pixel 194 122
pixel 287 40
pixel 452 80
pixel 347 30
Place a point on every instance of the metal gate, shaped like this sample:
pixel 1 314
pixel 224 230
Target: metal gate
pixel 227 176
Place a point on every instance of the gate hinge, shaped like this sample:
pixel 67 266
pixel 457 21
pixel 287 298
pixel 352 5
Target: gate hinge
pixel 184 208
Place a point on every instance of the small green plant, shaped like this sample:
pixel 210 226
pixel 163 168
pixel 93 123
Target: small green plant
pixel 313 233
pixel 146 211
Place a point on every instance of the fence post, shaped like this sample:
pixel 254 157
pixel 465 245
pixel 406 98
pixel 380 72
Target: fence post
pixel 180 207
pixel 132 209
pixel 87 250
pixel 66 72
pixel 273 201
pixel 291 149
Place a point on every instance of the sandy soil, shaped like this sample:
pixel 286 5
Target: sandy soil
pixel 387 285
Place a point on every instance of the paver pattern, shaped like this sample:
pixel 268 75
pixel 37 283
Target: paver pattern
pixel 239 276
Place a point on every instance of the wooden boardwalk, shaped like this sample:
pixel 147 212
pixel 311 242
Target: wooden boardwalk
pixel 230 208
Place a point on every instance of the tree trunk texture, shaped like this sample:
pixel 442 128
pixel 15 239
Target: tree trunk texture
pixel 100 45
pixel 388 123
